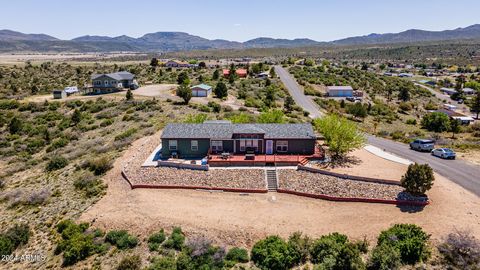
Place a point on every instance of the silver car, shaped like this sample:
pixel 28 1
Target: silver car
pixel 445 153
pixel 422 145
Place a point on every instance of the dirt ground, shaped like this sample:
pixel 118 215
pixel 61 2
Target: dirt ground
pixel 470 156
pixel 366 164
pixel 237 219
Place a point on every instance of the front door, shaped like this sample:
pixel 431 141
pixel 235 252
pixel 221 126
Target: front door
pixel 269 147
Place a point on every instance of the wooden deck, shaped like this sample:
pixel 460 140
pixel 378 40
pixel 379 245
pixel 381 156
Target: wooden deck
pixel 263 160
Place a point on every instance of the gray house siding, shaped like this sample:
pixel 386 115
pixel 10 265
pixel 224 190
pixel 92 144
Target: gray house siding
pixel 297 146
pixel 184 148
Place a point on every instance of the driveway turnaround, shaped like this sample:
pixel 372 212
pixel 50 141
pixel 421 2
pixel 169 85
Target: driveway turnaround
pixel 463 173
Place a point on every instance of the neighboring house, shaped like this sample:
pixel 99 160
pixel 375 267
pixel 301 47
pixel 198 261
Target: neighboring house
pixel 242 73
pixel 464 120
pixel 405 75
pixel 449 107
pixel 448 91
pixel 177 64
pixel 201 90
pixel 468 91
pixel 59 94
pixel 340 91
pixel 112 82
pixel 263 75
pixel 199 140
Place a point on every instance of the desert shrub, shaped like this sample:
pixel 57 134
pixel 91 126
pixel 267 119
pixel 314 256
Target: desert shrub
pixel 99 166
pixel 176 239
pixel 299 247
pixel 37 197
pixel 237 255
pixel 155 240
pixel 14 237
pixel 6 245
pixel 8 104
pixel 163 263
pixel 405 106
pixel 411 121
pixel 334 251
pixel 398 135
pixel 384 257
pixel 125 134
pixel 132 262
pixel 272 253
pixel 461 250
pixel 203 255
pixel 76 244
pixel 57 143
pixel 106 122
pixel 362 245
pixel 430 106
pixel 56 163
pixel 121 239
pixel 409 239
pixel 418 179
pixel 91 185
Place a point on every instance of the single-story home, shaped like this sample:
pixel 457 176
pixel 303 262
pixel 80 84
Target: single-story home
pixel 199 140
pixel 464 120
pixel 263 75
pixel 468 91
pixel 59 94
pixel 340 91
pixel 242 73
pixel 405 75
pixel 201 90
pixel 177 64
pixel 113 82
pixel 449 107
pixel 448 91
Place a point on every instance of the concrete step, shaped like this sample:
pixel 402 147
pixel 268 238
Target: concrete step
pixel 271 178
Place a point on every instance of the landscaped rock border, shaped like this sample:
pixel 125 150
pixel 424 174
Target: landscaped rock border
pixel 341 199
pixel 350 177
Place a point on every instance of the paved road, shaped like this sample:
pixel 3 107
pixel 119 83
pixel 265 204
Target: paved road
pixel 441 96
pixel 463 173
pixel 296 92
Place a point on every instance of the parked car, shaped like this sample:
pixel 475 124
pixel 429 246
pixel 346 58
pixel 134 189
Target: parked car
pixel 351 99
pixel 422 145
pixel 445 153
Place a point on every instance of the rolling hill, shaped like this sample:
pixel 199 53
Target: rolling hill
pixel 11 41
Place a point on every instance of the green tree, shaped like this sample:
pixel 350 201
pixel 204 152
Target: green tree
pixel 221 90
pixel 409 239
pixel 288 104
pixel 273 75
pixel 358 110
pixel 216 75
pixel 241 118
pixel 15 125
pixel 384 257
pixel 341 135
pixel 404 94
pixel 455 127
pixel 130 262
pixel 436 121
pixel 334 251
pixel 185 93
pixel 272 116
pixel 418 179
pixel 154 62
pixel 182 78
pixel 272 253
pixel 129 95
pixel 76 117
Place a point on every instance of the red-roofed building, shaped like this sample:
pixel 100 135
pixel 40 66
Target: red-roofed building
pixel 242 73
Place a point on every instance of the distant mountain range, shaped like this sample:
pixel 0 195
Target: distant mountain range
pixel 11 41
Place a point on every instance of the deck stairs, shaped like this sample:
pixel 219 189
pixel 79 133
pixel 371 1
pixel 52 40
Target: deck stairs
pixel 272 179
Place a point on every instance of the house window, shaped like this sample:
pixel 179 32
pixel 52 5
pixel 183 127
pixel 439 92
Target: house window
pixel 112 82
pixel 248 143
pixel 172 145
pixel 217 146
pixel 194 145
pixel 242 145
pixel 106 83
pixel 282 146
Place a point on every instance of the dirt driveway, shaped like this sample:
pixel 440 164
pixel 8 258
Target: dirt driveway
pixel 236 219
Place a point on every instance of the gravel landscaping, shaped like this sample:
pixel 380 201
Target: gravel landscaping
pixel 315 183
pixel 240 178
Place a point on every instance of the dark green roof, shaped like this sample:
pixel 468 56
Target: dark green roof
pixel 226 131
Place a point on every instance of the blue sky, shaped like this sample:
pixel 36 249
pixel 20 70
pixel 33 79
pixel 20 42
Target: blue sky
pixel 322 20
